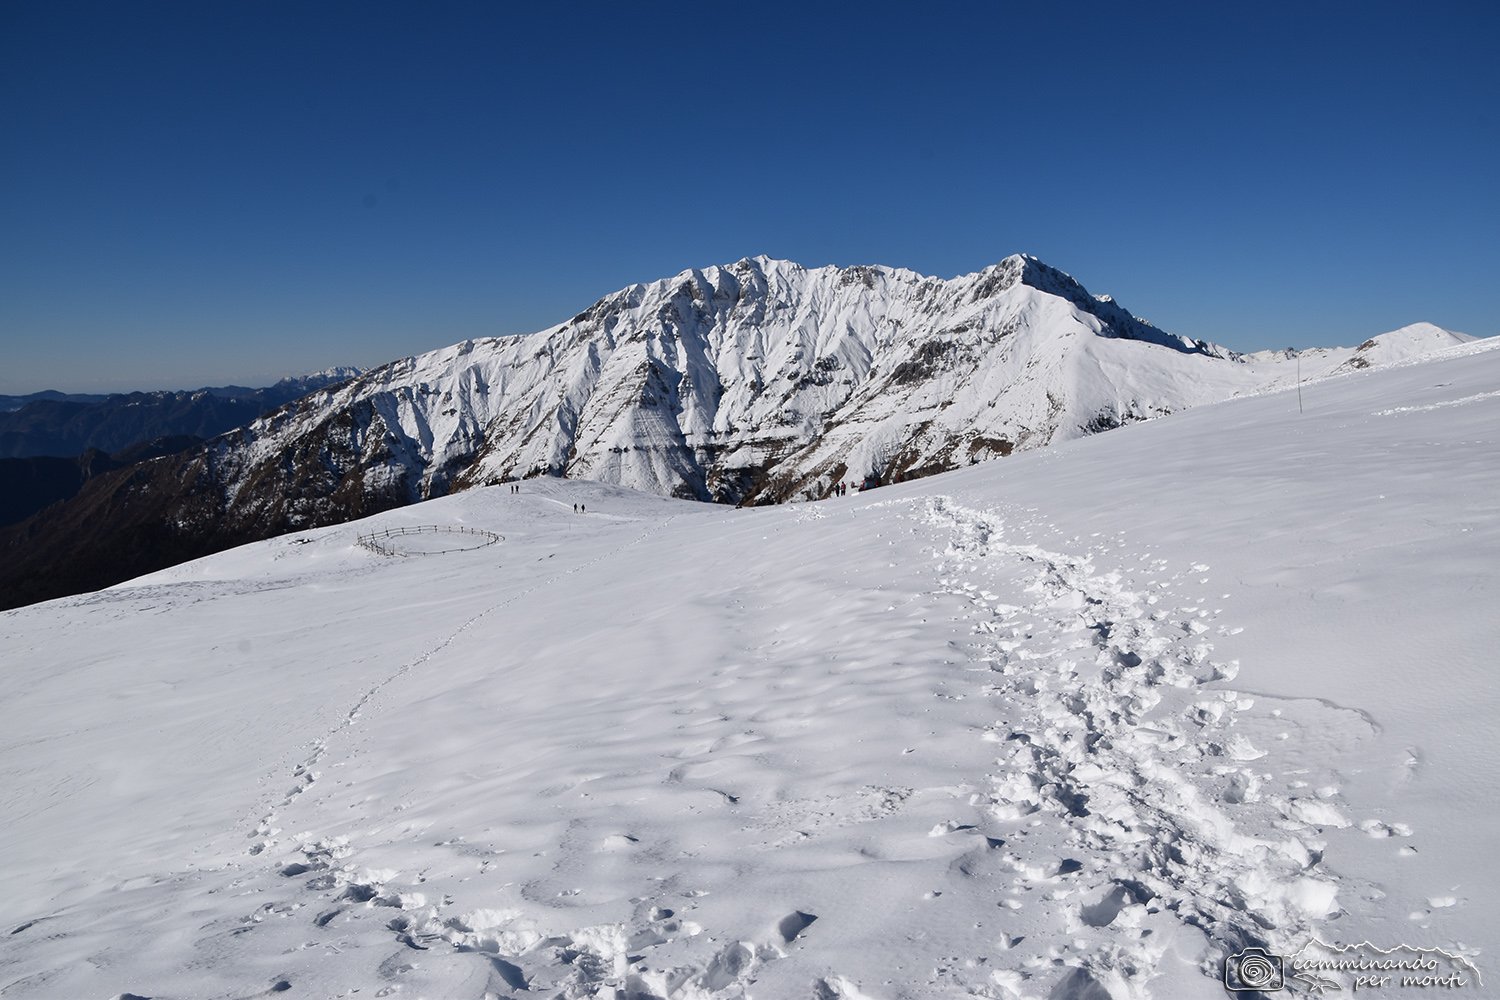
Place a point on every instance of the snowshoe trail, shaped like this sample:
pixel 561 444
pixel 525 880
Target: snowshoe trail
pixel 1134 793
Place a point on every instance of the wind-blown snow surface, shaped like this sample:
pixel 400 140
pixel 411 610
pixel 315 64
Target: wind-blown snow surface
pixel 1072 725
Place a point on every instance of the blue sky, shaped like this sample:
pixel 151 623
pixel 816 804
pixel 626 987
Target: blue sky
pixel 202 193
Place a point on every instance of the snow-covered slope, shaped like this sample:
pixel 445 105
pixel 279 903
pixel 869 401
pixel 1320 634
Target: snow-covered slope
pixel 1076 725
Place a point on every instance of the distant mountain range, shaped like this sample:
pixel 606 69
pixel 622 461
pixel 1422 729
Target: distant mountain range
pixel 758 382
pixel 9 404
pixel 54 442
pixel 63 425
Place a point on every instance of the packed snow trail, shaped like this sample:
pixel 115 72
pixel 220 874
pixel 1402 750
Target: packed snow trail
pixel 1155 788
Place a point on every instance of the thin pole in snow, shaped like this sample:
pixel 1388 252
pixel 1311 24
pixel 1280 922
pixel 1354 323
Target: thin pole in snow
pixel 1299 381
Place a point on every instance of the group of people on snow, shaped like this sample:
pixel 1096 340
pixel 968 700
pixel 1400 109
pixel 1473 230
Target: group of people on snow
pixel 578 508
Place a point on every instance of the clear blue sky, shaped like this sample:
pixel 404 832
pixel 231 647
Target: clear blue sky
pixel 200 193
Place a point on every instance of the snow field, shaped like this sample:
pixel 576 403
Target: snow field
pixel 1075 724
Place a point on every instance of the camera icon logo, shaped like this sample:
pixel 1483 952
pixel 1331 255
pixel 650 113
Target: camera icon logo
pixel 1254 969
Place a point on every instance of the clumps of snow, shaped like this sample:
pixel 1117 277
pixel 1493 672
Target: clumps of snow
pixel 1380 828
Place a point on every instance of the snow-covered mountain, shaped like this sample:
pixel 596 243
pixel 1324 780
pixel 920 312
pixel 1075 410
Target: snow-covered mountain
pixel 308 381
pixel 1080 725
pixel 761 381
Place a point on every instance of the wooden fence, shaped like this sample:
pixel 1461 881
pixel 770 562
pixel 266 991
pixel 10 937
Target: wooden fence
pixel 380 541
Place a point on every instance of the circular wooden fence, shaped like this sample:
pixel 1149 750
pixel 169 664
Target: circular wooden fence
pixel 428 540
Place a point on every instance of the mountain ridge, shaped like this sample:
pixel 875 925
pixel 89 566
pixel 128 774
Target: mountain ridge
pixel 58 425
pixel 754 382
pixel 793 324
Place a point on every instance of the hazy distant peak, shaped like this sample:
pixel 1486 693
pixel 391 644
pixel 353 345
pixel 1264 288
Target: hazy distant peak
pixel 327 376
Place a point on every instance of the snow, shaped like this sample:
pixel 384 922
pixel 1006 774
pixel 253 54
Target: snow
pixel 1410 344
pixel 1078 723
